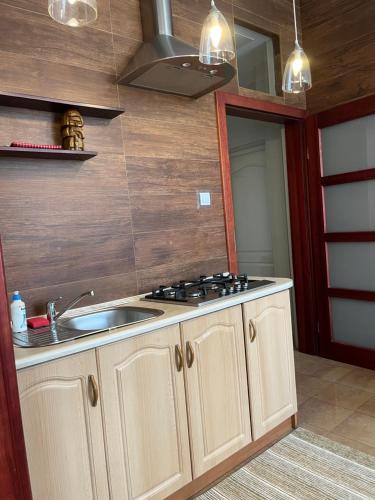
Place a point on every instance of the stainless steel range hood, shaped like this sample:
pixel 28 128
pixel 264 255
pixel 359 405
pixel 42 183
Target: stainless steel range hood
pixel 165 63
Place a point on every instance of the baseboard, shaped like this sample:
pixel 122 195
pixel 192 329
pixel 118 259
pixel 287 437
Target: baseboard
pixel 235 461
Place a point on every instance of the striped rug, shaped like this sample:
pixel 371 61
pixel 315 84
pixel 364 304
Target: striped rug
pixel 302 466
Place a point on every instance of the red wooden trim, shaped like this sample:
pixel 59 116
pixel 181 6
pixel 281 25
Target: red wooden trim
pixel 250 103
pixel 345 112
pixel 319 275
pixel 14 475
pixel 297 187
pixel 348 177
pixel 359 236
pixel 300 236
pixel 226 183
pixel 351 355
pixel 345 293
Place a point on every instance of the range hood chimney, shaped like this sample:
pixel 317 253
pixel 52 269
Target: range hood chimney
pixel 165 63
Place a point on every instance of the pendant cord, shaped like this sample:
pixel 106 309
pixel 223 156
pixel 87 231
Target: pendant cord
pixel 295 20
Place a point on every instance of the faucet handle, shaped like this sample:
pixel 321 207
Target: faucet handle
pixel 51 309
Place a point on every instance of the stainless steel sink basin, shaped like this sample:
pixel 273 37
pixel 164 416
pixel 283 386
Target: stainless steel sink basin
pixel 110 318
pixel 87 324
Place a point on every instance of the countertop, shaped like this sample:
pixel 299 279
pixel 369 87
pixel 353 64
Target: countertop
pixel 173 314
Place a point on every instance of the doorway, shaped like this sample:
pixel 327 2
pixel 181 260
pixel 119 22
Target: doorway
pixel 259 190
pixel 265 196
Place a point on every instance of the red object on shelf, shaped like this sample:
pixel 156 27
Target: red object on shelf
pixel 19 144
pixel 37 322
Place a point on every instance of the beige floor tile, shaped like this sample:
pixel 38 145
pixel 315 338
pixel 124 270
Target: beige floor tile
pixel 321 414
pixel 309 365
pixel 343 396
pixel 333 373
pixel 302 397
pixel 368 408
pixel 360 378
pixel 358 427
pixel 308 385
pixel 370 450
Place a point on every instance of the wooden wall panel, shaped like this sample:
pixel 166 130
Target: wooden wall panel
pixel 128 219
pixel 339 38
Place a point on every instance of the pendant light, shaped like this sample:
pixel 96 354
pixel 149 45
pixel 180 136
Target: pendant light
pixel 74 13
pixel 216 45
pixel 297 74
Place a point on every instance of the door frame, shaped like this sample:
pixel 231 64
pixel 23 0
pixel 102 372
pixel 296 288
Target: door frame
pixel 14 473
pixel 314 123
pixel 294 121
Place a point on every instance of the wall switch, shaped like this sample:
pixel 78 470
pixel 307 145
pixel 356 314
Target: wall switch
pixel 204 199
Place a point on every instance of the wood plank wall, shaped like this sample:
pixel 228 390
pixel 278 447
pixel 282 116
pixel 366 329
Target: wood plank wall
pixel 126 220
pixel 339 38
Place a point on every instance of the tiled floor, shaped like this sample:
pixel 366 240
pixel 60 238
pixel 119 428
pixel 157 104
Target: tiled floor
pixel 337 401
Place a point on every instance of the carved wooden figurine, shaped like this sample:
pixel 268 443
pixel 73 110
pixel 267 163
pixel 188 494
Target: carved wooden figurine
pixel 71 130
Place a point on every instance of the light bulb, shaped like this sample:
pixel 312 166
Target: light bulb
pixel 73 13
pixel 216 45
pixel 215 35
pixel 297 65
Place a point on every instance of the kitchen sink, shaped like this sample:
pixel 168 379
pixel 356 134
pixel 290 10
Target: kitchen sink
pixel 110 318
pixel 87 324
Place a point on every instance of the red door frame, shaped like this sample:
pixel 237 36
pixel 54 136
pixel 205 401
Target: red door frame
pixel 317 182
pixel 14 474
pixel 294 120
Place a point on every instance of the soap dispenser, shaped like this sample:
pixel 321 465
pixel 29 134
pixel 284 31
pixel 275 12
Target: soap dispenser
pixel 18 313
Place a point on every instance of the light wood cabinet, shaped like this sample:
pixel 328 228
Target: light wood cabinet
pixel 145 416
pixel 140 418
pixel 270 364
pixel 63 431
pixel 216 387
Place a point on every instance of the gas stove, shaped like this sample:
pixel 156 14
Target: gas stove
pixel 206 289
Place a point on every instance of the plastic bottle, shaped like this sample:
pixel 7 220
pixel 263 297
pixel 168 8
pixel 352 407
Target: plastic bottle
pixel 18 313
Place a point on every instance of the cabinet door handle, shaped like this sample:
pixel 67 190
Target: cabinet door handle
pixel 189 354
pixel 253 330
pixel 178 357
pixel 93 390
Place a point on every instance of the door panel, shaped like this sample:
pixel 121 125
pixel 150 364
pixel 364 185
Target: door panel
pixel 341 147
pixel 270 364
pixel 216 388
pixel 145 416
pixel 63 432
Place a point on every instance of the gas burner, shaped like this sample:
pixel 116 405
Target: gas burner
pixel 206 289
pixel 194 293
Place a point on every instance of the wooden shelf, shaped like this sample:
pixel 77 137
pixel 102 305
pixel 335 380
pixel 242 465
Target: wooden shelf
pixel 46 154
pixel 56 105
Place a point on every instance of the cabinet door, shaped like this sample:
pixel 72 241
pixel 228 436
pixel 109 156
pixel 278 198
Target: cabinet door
pixel 63 431
pixel 145 416
pixel 269 348
pixel 216 387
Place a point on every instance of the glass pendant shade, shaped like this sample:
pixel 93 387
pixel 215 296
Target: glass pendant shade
pixel 297 74
pixel 73 13
pixel 216 45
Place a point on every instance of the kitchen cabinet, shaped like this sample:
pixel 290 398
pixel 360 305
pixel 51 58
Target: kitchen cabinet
pixel 62 422
pixel 216 387
pixel 144 415
pixel 270 364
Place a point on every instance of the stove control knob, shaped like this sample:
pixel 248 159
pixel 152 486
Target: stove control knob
pixel 230 290
pixel 222 292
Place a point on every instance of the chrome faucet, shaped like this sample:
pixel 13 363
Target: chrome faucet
pixel 53 316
